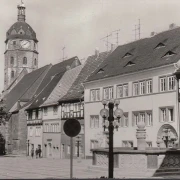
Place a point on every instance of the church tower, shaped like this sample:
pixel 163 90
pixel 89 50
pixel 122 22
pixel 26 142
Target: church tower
pixel 21 52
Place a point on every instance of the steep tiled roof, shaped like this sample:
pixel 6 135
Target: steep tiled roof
pixel 50 81
pixel 63 86
pixel 77 89
pixel 56 69
pixel 140 55
pixel 22 86
pixel 42 97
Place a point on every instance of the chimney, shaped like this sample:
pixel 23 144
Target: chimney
pixel 153 33
pixel 18 105
pixel 97 52
pixel 76 62
pixel 172 26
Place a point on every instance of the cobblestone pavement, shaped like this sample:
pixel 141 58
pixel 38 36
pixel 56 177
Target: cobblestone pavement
pixel 25 167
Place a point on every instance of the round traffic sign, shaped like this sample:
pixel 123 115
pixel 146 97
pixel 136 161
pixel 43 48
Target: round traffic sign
pixel 72 127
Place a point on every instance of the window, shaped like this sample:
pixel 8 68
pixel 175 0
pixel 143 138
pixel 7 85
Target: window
pixel 24 60
pixel 29 115
pixel 36 114
pixel 39 114
pixel 170 114
pixel 142 88
pixel 55 110
pixel 145 116
pixel 94 121
pixel 68 149
pixel 95 95
pixel 35 62
pixel 127 143
pixel 163 114
pixel 12 74
pixel 149 86
pixel 38 131
pixel 31 131
pixel 126 120
pixel 45 111
pixel 108 93
pixel 136 119
pixel 149 119
pixel 135 89
pixel 162 84
pixel 142 117
pixel 119 91
pixel 14 42
pixel 82 129
pixel 171 83
pixel 122 91
pixel 12 60
pixel 125 90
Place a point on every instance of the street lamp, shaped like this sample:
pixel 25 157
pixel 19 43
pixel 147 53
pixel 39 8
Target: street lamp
pixel 111 124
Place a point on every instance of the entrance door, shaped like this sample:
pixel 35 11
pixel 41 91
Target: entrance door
pixel 49 150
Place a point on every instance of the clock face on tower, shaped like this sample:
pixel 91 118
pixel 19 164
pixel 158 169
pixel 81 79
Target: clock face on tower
pixel 25 44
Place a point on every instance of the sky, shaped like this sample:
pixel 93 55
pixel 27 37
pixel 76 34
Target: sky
pixel 81 25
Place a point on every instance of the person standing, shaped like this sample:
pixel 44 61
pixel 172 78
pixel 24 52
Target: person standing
pixel 39 152
pixel 32 153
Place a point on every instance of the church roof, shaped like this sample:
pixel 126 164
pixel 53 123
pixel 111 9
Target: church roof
pixel 22 87
pixel 76 91
pixel 159 50
pixel 21 30
pixel 50 81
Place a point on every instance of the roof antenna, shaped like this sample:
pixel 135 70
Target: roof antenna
pixel 63 49
pixel 117 36
pixel 107 40
pixel 139 28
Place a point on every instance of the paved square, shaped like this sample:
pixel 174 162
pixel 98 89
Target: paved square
pixel 25 167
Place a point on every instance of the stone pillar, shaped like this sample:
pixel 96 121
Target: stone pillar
pixel 141 136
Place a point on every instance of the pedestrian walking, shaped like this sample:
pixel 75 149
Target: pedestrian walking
pixel 36 153
pixel 32 152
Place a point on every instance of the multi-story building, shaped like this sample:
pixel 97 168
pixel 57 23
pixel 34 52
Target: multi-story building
pixel 140 75
pixel 44 120
pixel 73 105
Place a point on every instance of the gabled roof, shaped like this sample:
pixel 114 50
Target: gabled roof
pixel 22 86
pixel 42 97
pixel 63 86
pixel 77 90
pixel 50 81
pixel 145 55
pixel 56 69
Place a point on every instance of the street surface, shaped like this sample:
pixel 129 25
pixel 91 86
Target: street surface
pixel 26 167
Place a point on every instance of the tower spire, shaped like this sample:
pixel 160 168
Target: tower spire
pixel 21 12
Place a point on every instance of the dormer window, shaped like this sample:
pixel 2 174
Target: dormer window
pixel 25 60
pixel 127 55
pixel 168 54
pixel 130 63
pixel 160 45
pixel 100 71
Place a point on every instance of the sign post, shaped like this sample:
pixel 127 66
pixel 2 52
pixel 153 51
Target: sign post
pixel 72 128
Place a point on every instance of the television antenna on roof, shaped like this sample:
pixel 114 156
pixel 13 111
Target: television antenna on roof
pixel 106 39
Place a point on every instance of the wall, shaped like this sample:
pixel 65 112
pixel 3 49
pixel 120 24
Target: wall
pixel 139 103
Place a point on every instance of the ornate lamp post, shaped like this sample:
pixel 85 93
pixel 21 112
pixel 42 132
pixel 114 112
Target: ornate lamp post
pixel 111 123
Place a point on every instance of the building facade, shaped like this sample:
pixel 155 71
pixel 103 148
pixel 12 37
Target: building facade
pixel 144 83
